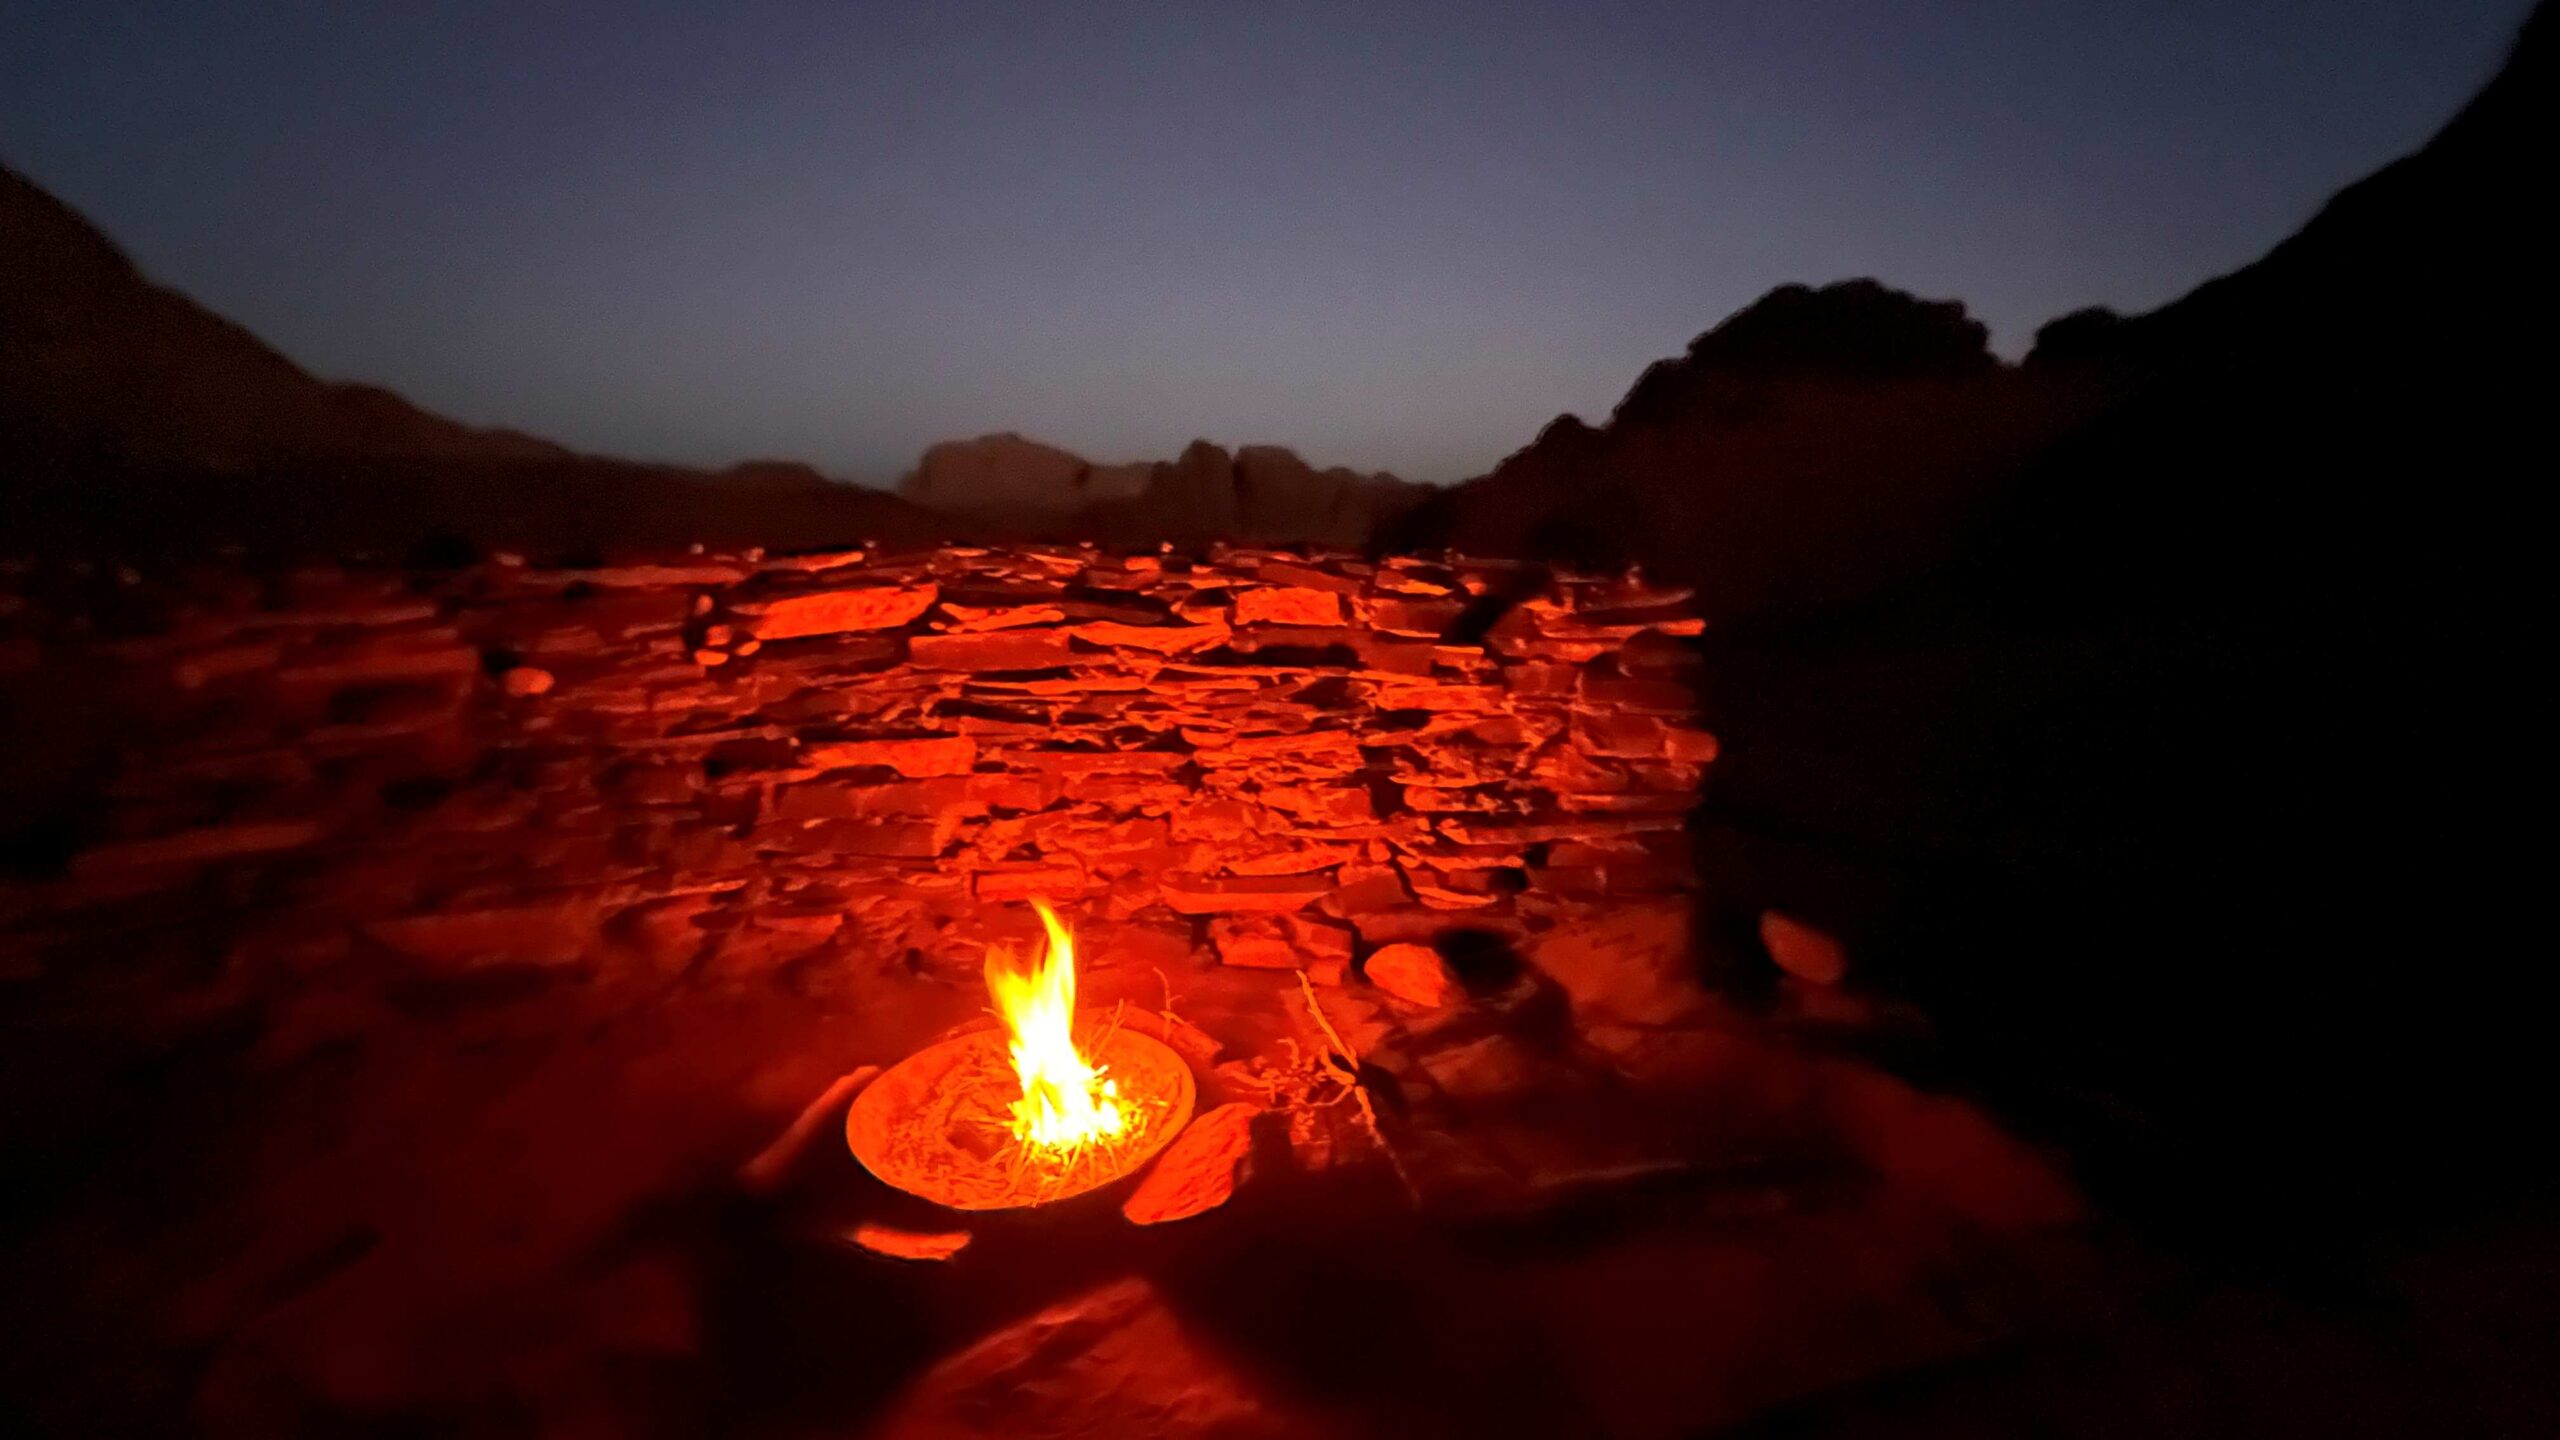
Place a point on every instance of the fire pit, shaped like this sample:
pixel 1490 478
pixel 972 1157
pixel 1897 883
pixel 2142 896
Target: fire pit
pixel 1045 1108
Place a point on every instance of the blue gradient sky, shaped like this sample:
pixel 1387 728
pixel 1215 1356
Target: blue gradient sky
pixel 1391 235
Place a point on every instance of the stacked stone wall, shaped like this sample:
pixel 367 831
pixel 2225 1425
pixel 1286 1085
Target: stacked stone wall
pixel 735 762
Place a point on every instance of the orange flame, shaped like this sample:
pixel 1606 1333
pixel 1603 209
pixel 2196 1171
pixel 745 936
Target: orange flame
pixel 1066 1103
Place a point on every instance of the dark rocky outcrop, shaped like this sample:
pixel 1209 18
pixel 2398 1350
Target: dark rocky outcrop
pixel 1813 446
pixel 2157 711
pixel 2276 612
pixel 1854 331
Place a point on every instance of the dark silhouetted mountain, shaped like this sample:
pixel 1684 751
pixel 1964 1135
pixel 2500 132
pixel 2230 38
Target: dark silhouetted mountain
pixel 131 417
pixel 1261 493
pixel 95 357
pixel 2081 339
pixel 1813 446
pixel 1854 331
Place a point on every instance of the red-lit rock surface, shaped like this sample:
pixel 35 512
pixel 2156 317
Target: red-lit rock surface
pixel 1199 1171
pixel 518 764
pixel 390 1036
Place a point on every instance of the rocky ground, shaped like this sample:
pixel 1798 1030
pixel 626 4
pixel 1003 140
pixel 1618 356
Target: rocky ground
pixel 408 975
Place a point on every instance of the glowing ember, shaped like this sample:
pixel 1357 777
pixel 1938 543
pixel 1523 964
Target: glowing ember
pixel 1066 1103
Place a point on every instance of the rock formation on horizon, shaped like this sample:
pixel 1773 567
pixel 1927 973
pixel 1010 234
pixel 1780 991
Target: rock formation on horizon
pixel 1008 476
pixel 1815 444
pixel 1262 493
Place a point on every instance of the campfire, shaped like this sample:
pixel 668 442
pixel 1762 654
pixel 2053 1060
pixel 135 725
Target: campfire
pixel 1048 1106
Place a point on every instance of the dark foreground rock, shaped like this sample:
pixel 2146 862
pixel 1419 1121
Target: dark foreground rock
pixel 2038 687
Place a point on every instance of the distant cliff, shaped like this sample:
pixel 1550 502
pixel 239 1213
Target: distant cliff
pixel 1006 475
pixel 1258 493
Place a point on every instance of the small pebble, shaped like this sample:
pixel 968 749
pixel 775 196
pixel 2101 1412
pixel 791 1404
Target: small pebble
pixel 528 680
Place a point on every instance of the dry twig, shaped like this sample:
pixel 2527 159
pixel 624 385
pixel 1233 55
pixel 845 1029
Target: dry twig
pixel 1350 1064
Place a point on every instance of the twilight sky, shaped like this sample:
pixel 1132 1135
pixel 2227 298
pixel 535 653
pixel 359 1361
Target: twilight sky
pixel 1391 235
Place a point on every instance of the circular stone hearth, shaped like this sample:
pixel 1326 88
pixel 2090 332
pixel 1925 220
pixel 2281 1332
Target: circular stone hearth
pixel 939 1123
